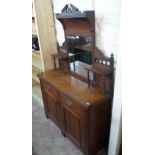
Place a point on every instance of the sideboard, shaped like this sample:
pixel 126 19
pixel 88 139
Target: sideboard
pixel 82 114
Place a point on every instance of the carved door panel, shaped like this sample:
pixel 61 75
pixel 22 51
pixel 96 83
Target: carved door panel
pixel 72 125
pixel 51 103
pixel 59 116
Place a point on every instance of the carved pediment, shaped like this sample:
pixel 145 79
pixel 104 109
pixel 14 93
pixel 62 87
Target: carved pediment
pixel 70 8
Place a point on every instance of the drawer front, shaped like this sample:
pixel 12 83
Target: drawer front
pixel 71 105
pixel 50 89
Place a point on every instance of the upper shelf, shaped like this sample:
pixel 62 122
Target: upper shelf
pixel 35 71
pixel 37 60
pixel 34 28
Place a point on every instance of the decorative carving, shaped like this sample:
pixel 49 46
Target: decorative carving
pixel 69 8
pixel 103 69
pixel 63 48
pixel 70 11
pixel 100 58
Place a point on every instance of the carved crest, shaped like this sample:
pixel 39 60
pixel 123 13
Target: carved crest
pixel 70 8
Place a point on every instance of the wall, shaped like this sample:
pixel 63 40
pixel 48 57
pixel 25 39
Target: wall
pixel 107 25
pixel 116 120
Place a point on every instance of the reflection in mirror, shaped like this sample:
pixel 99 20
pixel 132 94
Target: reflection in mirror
pixel 80 54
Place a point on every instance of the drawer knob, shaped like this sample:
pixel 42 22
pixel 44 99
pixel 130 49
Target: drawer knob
pixel 88 103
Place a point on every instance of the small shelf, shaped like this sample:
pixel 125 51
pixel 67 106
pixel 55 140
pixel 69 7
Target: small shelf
pixel 34 33
pixel 47 43
pixel 34 28
pixel 37 63
pixel 35 71
pixel 33 50
pixel 36 91
pixel 35 77
pixel 36 60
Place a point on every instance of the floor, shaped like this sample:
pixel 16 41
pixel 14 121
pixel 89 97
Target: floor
pixel 47 138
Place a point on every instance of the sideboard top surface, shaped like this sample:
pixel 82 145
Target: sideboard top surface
pixel 75 88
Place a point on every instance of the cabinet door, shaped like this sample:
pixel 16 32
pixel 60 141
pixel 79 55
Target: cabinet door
pixel 51 103
pixel 59 116
pixel 72 125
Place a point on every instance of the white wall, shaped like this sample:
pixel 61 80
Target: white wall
pixel 107 25
pixel 116 121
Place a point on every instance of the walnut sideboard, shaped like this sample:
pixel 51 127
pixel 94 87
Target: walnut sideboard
pixel 82 114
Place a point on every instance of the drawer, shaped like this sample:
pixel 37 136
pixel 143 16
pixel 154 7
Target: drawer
pixel 71 105
pixel 50 89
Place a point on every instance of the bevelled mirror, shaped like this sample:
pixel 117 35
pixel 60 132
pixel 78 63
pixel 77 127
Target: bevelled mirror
pixel 80 53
